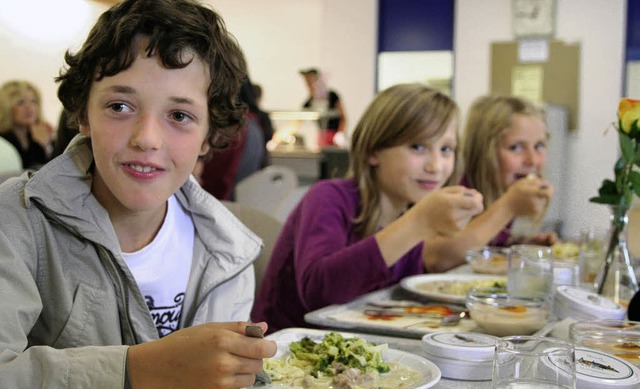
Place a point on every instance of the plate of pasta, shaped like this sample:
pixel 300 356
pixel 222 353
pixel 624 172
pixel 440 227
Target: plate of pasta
pixel 450 288
pixel 334 360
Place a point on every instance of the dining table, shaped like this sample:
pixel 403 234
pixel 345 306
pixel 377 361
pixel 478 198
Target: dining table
pixel 403 334
pixel 403 339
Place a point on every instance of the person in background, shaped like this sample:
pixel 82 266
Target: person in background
pixel 327 102
pixel 257 91
pixel 246 154
pixel 255 155
pixel 351 236
pixel 263 119
pixel 119 270
pixel 504 154
pixel 21 123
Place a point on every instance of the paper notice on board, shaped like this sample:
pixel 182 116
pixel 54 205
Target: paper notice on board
pixel 533 50
pixel 526 82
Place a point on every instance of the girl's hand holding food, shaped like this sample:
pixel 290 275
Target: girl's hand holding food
pixel 449 209
pixel 528 196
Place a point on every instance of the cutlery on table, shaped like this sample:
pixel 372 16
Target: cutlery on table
pixel 262 378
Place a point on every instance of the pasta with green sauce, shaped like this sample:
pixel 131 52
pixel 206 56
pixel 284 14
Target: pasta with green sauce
pixel 338 362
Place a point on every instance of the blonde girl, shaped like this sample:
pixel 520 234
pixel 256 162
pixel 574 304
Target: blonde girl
pixel 504 153
pixel 351 236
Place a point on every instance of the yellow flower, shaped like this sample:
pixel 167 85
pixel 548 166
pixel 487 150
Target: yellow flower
pixel 628 113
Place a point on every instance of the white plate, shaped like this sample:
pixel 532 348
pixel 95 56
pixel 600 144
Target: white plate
pixel 430 372
pixel 413 283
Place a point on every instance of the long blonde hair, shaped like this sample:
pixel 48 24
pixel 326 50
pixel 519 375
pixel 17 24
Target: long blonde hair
pixel 398 115
pixel 488 119
pixel 10 94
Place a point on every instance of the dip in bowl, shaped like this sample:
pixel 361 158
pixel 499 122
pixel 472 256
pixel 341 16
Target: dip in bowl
pixel 497 314
pixel 488 260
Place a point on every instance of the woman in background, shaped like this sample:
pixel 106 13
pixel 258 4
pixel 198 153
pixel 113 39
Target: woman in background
pixel 504 153
pixel 351 236
pixel 21 124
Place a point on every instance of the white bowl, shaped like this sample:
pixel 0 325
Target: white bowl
pixel 498 314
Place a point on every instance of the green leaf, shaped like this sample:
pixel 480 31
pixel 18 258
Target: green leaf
pixel 612 200
pixel 608 188
pixel 633 134
pixel 637 158
pixel 626 145
pixel 634 179
pixel 620 164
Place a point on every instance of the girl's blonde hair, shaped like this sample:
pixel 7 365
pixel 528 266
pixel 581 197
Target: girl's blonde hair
pixel 10 94
pixel 488 119
pixel 399 115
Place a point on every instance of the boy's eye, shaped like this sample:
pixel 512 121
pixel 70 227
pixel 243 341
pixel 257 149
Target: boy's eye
pixel 119 107
pixel 180 117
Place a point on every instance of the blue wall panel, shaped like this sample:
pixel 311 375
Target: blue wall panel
pixel 633 30
pixel 415 25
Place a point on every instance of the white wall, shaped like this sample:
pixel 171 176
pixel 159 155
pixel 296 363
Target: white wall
pixel 599 26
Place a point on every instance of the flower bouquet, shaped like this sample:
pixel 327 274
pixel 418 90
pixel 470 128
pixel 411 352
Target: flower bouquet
pixel 618 193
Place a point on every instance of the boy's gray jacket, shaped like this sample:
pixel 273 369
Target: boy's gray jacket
pixel 69 307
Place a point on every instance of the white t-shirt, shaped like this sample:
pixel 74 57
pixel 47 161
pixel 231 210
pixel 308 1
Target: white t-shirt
pixel 161 268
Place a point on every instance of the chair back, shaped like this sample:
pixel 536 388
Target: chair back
pixel 265 226
pixel 290 202
pixel 10 160
pixel 265 189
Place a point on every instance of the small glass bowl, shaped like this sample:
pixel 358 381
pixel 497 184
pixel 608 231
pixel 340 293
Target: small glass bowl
pixel 620 338
pixel 498 314
pixel 489 260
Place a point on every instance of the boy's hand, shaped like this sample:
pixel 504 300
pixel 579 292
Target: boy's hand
pixel 213 355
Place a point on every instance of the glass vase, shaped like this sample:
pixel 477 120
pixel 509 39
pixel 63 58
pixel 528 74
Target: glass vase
pixel 616 278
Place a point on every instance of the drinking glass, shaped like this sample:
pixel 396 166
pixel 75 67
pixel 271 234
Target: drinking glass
pixel 530 272
pixel 488 260
pixel 533 362
pixel 593 246
pixel 620 338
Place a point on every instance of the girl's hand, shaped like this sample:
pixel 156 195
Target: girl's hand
pixel 449 209
pixel 528 196
pixel 543 239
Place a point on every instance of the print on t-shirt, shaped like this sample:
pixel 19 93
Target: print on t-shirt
pixel 166 319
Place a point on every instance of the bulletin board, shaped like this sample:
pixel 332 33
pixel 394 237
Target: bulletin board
pixel 550 77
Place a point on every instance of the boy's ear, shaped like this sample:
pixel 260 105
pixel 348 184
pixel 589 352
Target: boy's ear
pixel 204 149
pixel 84 129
